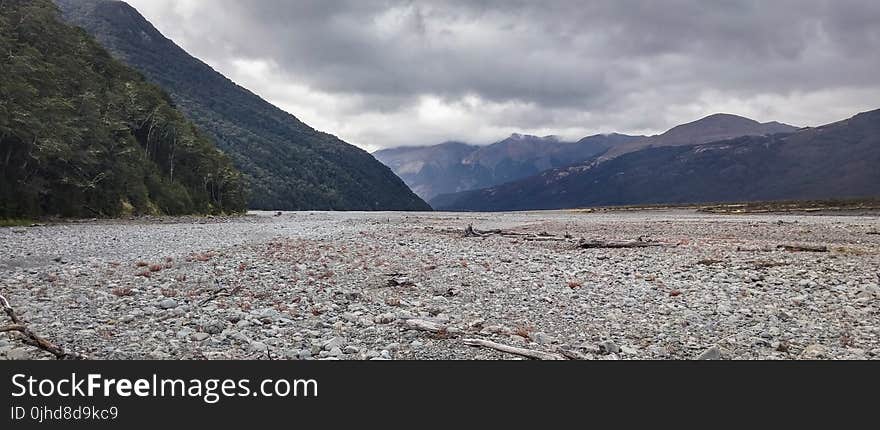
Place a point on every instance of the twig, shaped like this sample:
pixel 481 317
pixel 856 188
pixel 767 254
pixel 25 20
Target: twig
pixel 221 292
pixel 30 338
pixel 529 353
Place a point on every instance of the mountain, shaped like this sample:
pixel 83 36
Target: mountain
pixel 429 170
pixel 712 128
pixel 290 166
pixel 454 166
pixel 83 135
pixel 838 160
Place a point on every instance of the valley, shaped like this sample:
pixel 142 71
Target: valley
pixel 395 285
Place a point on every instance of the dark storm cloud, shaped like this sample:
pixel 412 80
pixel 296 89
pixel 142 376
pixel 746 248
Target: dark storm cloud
pixel 575 65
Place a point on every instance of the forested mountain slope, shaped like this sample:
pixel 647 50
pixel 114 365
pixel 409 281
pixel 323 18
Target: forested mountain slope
pixel 289 165
pixel 81 134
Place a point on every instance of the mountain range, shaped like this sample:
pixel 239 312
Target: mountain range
pixel 454 166
pixel 436 171
pixel 289 165
pixel 837 160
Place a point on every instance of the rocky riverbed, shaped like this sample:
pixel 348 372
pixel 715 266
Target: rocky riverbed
pixel 412 286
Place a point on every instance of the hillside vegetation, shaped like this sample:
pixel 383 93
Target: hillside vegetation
pixel 81 134
pixel 289 165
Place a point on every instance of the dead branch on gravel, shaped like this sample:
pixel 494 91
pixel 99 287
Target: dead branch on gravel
pixel 709 262
pixel 529 353
pixel 802 248
pixel 27 336
pixel 545 239
pixel 769 264
pixel 745 249
pixel 470 231
pixel 220 292
pixel 601 244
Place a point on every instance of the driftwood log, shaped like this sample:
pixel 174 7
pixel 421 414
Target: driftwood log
pixel 745 249
pixel 28 337
pixel 522 352
pixel 601 244
pixel 803 248
pixel 470 231
pixel 544 238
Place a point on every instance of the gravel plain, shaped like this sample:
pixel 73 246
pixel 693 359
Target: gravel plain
pixel 320 285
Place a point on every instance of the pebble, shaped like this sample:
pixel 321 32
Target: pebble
pixel 713 353
pixel 609 347
pixel 214 327
pixel 18 354
pixel 540 338
pixel 336 342
pixel 168 304
pixel 813 352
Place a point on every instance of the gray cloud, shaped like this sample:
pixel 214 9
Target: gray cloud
pixel 382 73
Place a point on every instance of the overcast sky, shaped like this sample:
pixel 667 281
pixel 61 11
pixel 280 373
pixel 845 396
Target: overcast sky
pixel 389 73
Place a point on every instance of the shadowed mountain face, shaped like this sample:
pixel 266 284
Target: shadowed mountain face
pixel 453 166
pixel 289 165
pixel 834 161
pixel 434 169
